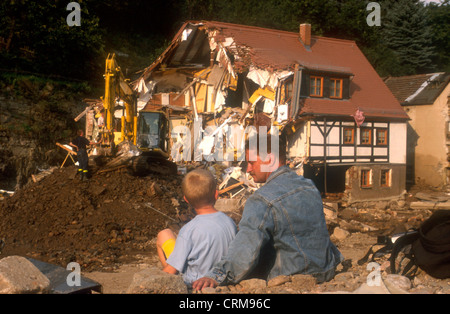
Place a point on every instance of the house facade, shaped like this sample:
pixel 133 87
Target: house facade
pixel 345 129
pixel 425 98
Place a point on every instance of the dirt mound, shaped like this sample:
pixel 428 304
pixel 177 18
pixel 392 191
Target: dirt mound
pixel 98 223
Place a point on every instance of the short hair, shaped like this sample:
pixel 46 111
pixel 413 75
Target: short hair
pixel 270 138
pixel 80 132
pixel 199 188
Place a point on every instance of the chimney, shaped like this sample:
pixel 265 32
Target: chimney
pixel 305 34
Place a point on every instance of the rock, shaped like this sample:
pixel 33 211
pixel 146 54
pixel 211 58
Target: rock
pixel 303 282
pixel 340 234
pixel 344 277
pixel 381 205
pixel 223 289
pixel 227 205
pixel 209 290
pixel 154 189
pixel 19 276
pixel 156 281
pixel 375 289
pixel 397 284
pixel 253 284
pixel 430 205
pixel 278 281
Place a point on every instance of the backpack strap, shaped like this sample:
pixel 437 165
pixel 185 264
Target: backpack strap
pixel 403 245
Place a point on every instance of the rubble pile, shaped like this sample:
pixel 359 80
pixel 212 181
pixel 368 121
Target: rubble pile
pixel 97 223
pixel 112 221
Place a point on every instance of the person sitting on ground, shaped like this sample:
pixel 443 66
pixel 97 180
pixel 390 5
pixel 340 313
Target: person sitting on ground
pixel 202 241
pixel 282 230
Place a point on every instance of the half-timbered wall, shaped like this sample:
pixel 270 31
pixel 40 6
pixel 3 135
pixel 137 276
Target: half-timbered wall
pixel 344 142
pixel 366 162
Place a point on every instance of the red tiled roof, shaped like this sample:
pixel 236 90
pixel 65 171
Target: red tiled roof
pixel 281 50
pixel 421 89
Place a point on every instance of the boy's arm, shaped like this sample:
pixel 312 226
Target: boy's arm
pixel 253 235
pixel 178 258
pixel 170 270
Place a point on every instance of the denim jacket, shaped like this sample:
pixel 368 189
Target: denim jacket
pixel 286 214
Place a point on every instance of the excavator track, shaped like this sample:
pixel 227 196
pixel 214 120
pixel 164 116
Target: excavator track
pixel 144 165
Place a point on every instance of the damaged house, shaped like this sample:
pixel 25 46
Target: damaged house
pixel 426 99
pixel 345 129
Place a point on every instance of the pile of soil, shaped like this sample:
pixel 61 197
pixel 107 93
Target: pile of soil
pixel 98 223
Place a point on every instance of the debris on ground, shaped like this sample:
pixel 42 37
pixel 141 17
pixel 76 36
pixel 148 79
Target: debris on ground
pixel 109 223
pixel 98 223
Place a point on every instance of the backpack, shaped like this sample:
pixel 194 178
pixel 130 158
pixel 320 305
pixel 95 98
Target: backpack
pixel 428 248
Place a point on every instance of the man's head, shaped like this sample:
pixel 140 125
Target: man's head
pixel 199 188
pixel 80 132
pixel 264 155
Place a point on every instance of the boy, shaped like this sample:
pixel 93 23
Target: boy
pixel 204 240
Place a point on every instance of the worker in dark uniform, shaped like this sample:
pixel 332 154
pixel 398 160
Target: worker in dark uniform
pixel 80 143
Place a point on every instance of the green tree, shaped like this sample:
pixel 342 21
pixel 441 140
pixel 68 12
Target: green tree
pixel 37 38
pixel 407 33
pixel 439 17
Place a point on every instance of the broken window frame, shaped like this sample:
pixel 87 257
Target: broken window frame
pixel 366 178
pixel 334 89
pixel 313 87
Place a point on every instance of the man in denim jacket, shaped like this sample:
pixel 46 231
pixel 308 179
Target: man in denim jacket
pixel 282 230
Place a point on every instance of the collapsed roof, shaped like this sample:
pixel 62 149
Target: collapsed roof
pixel 267 57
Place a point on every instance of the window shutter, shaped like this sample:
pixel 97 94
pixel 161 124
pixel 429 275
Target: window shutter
pixel 346 88
pixel 326 87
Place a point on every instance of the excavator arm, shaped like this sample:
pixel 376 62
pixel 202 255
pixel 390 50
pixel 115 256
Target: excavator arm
pixel 152 131
pixel 116 86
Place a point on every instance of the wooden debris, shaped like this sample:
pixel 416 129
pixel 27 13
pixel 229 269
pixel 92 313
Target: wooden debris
pixel 231 187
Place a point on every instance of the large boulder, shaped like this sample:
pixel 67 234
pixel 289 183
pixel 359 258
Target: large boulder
pixel 19 276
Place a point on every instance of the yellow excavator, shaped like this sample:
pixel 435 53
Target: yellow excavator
pixel 146 130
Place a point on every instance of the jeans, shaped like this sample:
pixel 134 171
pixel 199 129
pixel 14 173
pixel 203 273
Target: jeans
pixel 83 160
pixel 282 232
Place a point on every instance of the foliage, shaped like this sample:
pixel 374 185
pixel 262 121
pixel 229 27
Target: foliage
pixel 37 38
pixel 407 34
pixel 40 109
pixel 439 17
pixel 34 35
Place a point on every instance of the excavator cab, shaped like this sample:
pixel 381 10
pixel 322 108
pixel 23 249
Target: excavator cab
pixel 152 131
pixel 153 141
pixel 148 130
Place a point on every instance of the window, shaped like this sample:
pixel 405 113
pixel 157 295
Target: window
pixel 385 178
pixel 366 178
pixel 366 136
pixel 335 88
pixel 349 135
pixel 382 137
pixel 316 86
pixel 286 92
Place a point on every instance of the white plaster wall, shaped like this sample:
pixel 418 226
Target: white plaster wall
pixel 397 143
